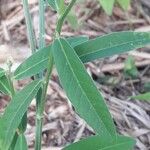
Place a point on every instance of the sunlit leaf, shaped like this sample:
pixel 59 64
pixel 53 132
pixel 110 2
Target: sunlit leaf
pixel 14 112
pixel 81 90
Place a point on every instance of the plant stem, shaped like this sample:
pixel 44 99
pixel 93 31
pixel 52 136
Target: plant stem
pixel 39 98
pixel 42 23
pixel 41 105
pixel 63 16
pixel 30 31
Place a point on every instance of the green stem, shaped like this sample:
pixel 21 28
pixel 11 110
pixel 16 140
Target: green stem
pixel 41 105
pixel 42 23
pixel 40 100
pixel 31 35
pixel 63 16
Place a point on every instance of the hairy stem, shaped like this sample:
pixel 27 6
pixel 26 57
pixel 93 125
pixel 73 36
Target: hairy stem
pixel 63 16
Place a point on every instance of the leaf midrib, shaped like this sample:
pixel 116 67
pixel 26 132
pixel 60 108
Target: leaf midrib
pixel 6 137
pixel 114 46
pixel 33 66
pixel 81 87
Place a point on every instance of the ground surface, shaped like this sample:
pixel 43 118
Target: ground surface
pixel 61 124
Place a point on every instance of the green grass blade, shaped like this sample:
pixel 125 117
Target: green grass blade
pixel 145 96
pixel 14 112
pixel 111 44
pixel 39 60
pixel 5 87
pixel 102 143
pixel 21 143
pixel 81 90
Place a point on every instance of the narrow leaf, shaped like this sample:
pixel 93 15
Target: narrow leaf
pixel 102 143
pixel 81 90
pixel 14 112
pixel 107 5
pixel 77 40
pixel 39 60
pixel 111 44
pixel 4 85
pixel 34 64
pixel 2 72
pixel 21 143
pixel 145 96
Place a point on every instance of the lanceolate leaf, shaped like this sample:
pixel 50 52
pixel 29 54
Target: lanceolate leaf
pixel 81 90
pixel 39 60
pixel 21 143
pixel 4 85
pixel 145 96
pixel 2 72
pixel 107 5
pixel 102 143
pixel 34 64
pixel 104 46
pixel 111 44
pixel 13 114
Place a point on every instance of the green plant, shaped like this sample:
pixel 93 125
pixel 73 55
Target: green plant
pixel 108 5
pixel 68 55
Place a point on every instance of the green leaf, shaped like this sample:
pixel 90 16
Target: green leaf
pixel 81 90
pixel 145 96
pixel 21 143
pixel 14 112
pixel 2 72
pixel 102 143
pixel 77 40
pixel 130 68
pixel 57 5
pixel 107 5
pixel 23 125
pixel 34 64
pixel 111 44
pixel 5 87
pixel 72 19
pixel 39 60
pixel 124 3
pixel 104 46
pixel 52 4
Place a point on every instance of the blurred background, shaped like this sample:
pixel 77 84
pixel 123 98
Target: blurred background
pixel 118 77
